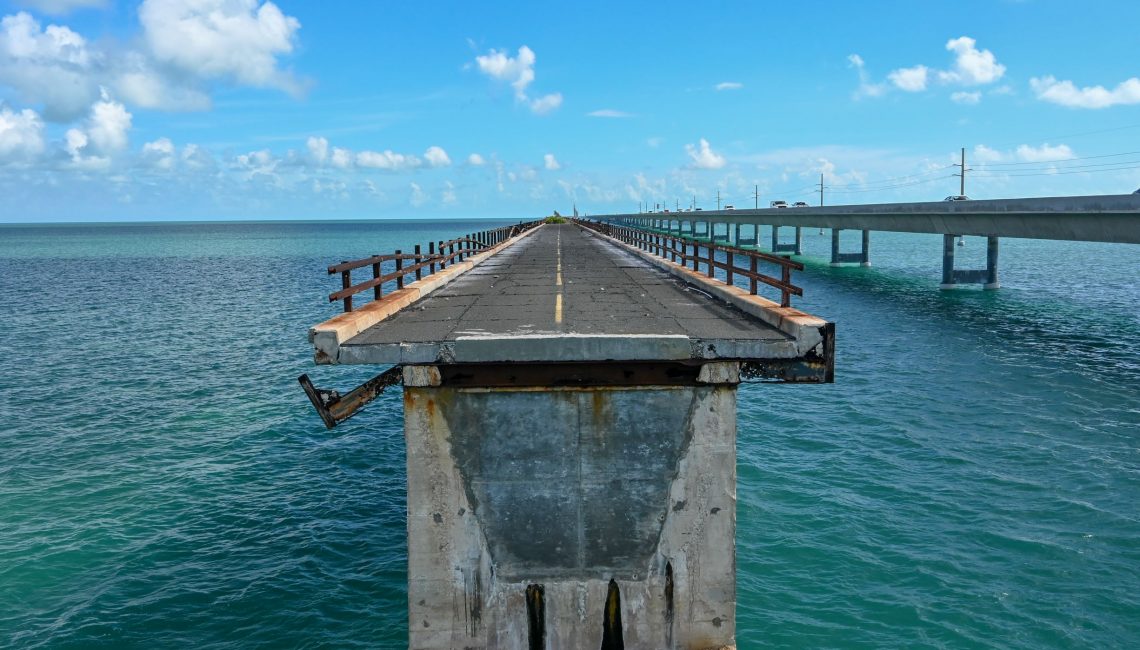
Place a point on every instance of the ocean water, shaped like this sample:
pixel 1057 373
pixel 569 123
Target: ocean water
pixel 971 480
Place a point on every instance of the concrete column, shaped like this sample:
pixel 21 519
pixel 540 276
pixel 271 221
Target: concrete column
pixel 775 238
pixel 991 264
pixel 947 263
pixel 835 246
pixel 531 508
pixel 737 241
pixel 866 249
pixel 799 240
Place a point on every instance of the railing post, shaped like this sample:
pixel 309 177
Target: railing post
pixel 442 256
pixel 752 278
pixel 696 257
pixel 418 260
pixel 399 267
pixel 345 283
pixel 712 259
pixel 378 290
pixel 786 276
pixel 431 256
pixel 728 268
pixel 451 252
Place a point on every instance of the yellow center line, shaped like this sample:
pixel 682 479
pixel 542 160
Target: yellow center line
pixel 558 283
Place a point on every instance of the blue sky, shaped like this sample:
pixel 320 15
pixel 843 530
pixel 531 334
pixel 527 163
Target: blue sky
pixel 243 109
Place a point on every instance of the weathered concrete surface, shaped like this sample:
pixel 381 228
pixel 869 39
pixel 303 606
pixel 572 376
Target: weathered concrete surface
pixel 565 294
pixel 1111 218
pixel 569 488
pixel 327 336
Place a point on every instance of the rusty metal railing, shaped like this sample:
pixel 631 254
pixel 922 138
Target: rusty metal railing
pixel 686 250
pixel 438 256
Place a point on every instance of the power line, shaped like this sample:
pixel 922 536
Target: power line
pixel 892 187
pixel 1032 162
pixel 1055 173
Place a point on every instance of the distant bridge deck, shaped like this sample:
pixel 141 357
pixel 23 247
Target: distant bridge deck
pixel 1111 218
pixel 562 293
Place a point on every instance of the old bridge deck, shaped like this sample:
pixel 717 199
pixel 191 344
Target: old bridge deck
pixel 564 293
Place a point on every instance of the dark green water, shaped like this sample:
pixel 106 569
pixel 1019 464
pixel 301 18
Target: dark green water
pixel 971 480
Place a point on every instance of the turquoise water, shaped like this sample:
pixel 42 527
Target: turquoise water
pixel 971 480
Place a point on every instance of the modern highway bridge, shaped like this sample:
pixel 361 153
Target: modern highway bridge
pixel 1108 218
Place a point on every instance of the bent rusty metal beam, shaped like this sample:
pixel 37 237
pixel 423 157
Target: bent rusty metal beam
pixel 334 408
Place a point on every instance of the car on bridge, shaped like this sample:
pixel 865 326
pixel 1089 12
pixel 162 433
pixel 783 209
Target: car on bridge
pixel 800 204
pixel 778 204
pixel 730 207
pixel 957 197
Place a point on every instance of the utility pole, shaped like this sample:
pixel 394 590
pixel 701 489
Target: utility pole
pixel 718 199
pixel 694 205
pixel 756 195
pixel 962 175
pixel 677 207
pixel 821 189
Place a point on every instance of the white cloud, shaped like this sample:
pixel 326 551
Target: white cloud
pixel 447 196
pixel 49 66
pixel 437 157
pixel 866 88
pixel 546 103
pixel 386 160
pixel 729 85
pixel 60 7
pixel 1044 153
pixel 239 40
pixel 135 79
pixel 911 80
pixel 417 197
pixel 318 149
pixel 963 97
pixel 475 160
pixel 518 71
pixel 703 156
pixel 972 67
pixel 608 112
pixel 550 162
pixel 196 157
pixel 1066 93
pixel 984 154
pixel 1025 153
pixel 21 135
pixel 341 158
pixel 108 125
pixel 159 153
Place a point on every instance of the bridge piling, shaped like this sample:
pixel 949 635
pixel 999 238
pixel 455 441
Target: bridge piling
pixel 795 248
pixel 987 277
pixel 863 257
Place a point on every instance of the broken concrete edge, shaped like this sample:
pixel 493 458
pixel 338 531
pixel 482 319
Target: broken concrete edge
pixel 568 347
pixel 327 336
pixel 808 331
pixel 711 373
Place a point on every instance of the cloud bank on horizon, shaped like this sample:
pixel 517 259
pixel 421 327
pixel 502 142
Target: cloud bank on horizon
pixel 231 108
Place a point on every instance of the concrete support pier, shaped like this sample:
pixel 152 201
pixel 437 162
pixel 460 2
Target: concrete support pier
pixel 796 248
pixel 863 258
pixel 952 277
pixel 531 506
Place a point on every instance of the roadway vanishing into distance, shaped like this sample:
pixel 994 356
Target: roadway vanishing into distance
pixel 1113 218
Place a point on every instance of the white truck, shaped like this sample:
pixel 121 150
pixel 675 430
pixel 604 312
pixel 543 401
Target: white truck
pixel 778 204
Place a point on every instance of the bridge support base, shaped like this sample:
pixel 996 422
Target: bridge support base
pixel 794 248
pixel 863 258
pixel 952 277
pixel 551 515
